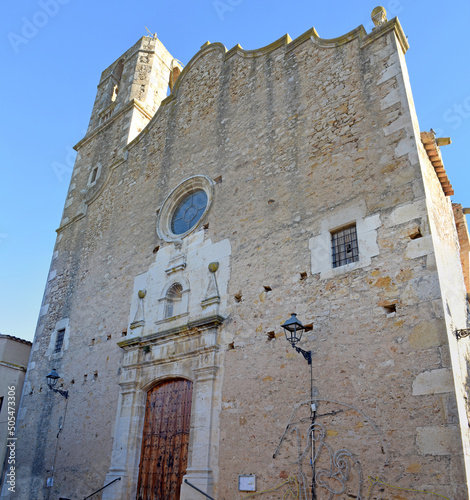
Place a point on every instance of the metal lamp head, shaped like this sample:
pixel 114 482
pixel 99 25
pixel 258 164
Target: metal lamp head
pixel 293 329
pixel 52 378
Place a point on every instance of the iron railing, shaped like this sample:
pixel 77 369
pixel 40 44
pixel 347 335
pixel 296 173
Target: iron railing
pixel 197 489
pixel 105 486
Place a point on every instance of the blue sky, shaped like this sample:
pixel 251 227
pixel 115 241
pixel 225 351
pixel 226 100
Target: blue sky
pixel 53 53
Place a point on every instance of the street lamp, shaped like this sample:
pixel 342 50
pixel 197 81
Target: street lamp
pixel 52 379
pixel 293 329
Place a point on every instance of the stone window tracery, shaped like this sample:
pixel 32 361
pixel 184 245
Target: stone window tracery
pixel 184 208
pixel 189 211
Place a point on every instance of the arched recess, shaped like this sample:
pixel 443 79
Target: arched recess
pixel 174 300
pixel 165 440
pixel 117 72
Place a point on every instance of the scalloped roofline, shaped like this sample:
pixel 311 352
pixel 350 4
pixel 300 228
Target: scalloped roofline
pixel 359 33
pixel 285 41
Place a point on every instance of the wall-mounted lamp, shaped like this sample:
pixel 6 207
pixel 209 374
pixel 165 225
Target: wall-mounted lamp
pixel 293 329
pixel 52 379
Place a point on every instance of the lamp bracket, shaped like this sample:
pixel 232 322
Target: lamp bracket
pixel 306 354
pixel 62 393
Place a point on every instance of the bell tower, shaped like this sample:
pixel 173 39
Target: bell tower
pixel 129 94
pixel 133 88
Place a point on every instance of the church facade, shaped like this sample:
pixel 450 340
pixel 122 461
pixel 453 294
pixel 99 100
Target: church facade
pixel 292 178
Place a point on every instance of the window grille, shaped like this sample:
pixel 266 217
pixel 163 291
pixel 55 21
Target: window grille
pixel 344 246
pixel 59 340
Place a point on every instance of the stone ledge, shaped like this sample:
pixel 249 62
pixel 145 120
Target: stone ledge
pixel 207 322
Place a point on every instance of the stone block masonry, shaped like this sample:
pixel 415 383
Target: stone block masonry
pixel 289 143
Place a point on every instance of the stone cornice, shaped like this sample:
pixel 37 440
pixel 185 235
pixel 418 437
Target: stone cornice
pixel 94 196
pixel 250 54
pixel 70 222
pixel 206 373
pixel 128 386
pixel 172 358
pixel 390 26
pixel 197 326
pixel 12 366
pixel 134 103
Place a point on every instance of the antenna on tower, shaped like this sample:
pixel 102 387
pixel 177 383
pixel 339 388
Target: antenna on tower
pixel 154 35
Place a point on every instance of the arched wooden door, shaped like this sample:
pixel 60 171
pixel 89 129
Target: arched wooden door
pixel 164 455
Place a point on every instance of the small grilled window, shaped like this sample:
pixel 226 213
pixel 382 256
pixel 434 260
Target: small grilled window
pixel 344 246
pixel 59 340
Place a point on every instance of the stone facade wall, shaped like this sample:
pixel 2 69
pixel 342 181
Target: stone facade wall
pixel 454 311
pixel 299 139
pixel 464 242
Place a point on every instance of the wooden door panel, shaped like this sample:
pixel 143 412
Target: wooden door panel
pixel 165 440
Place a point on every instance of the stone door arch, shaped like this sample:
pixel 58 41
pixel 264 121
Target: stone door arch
pixel 165 439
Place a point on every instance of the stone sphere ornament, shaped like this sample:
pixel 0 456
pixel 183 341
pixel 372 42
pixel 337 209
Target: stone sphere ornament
pixel 213 266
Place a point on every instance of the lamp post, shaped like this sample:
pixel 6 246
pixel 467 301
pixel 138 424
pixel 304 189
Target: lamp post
pixel 293 330
pixel 52 379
